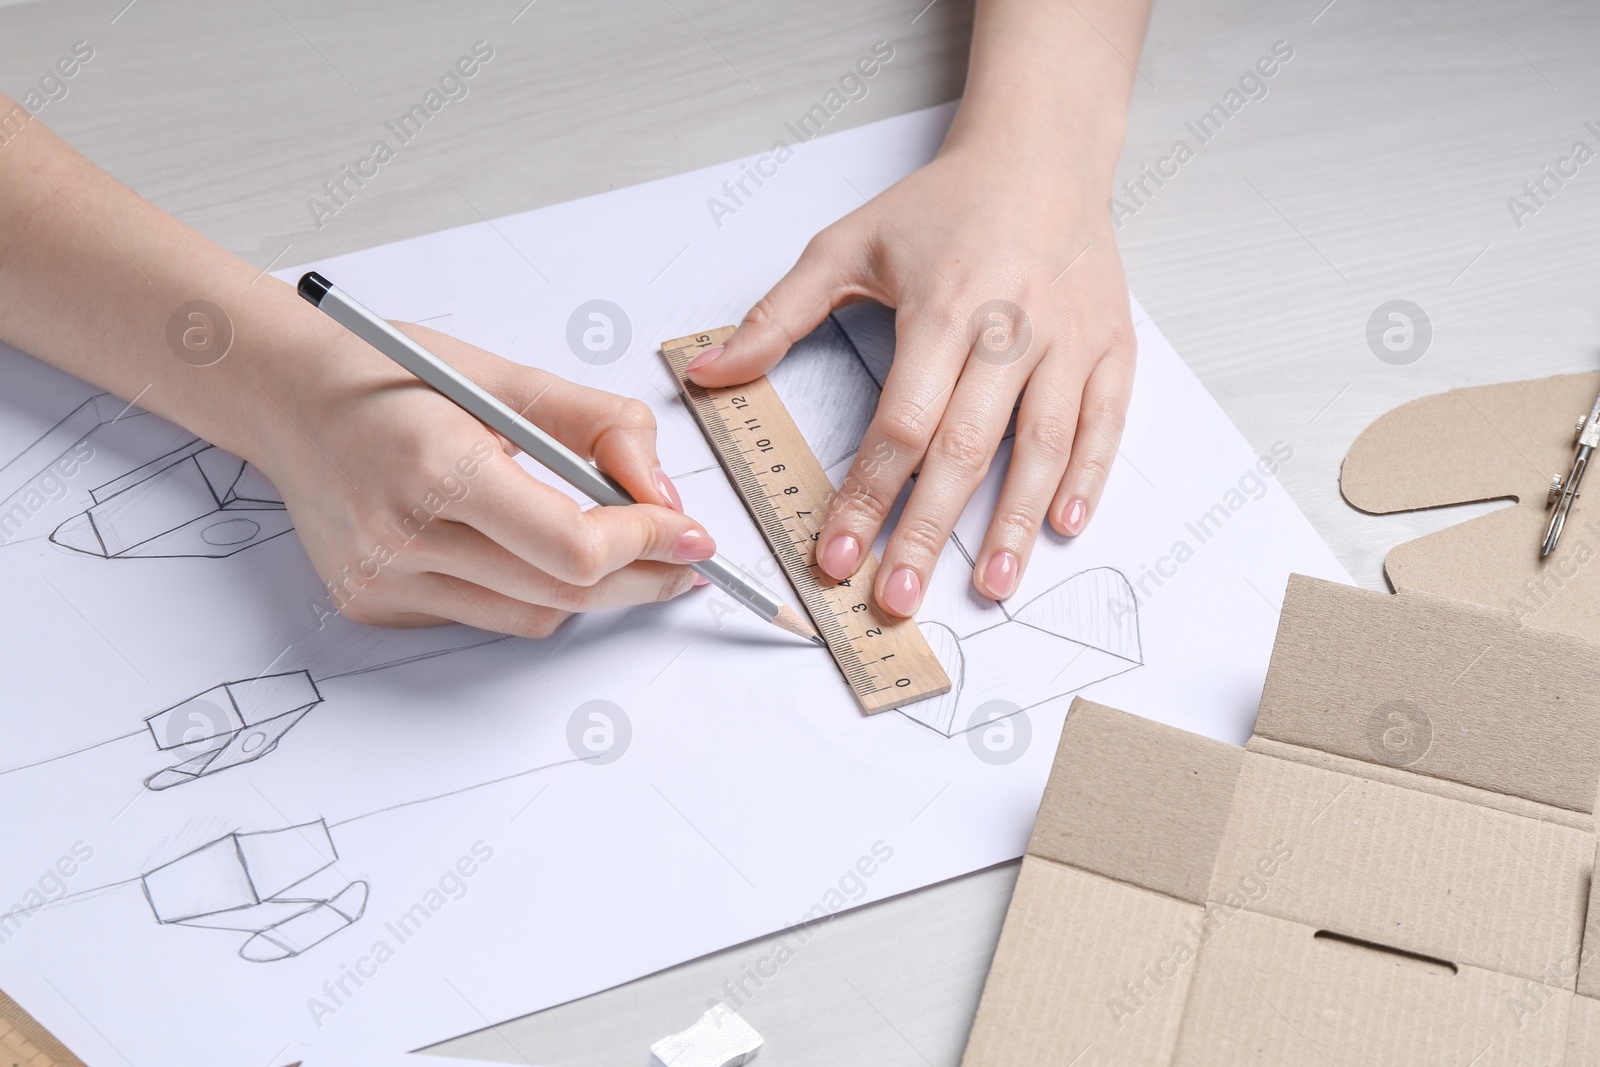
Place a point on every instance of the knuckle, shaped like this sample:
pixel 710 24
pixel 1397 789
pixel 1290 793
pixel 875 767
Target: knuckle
pixel 922 536
pixel 676 584
pixel 962 445
pixel 1120 336
pixel 1049 434
pixel 1107 414
pixel 566 597
pixel 862 496
pixel 540 622
pixel 1093 468
pixel 585 555
pixel 822 245
pixel 635 414
pixel 906 425
pixel 763 314
pixel 1018 515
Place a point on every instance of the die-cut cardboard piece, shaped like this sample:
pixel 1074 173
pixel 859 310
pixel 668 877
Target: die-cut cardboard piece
pixel 1488 442
pixel 1396 869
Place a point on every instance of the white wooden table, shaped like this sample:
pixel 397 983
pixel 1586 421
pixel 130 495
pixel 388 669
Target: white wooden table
pixel 1377 167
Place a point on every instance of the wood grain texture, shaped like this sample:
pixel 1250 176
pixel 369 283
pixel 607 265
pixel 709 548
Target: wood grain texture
pixel 24 1043
pixel 885 660
pixel 1377 167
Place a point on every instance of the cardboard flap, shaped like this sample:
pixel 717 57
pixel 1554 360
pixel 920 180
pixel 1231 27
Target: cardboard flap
pixel 1251 1003
pixel 1480 443
pixel 1136 801
pixel 1405 869
pixel 1083 962
pixel 1438 688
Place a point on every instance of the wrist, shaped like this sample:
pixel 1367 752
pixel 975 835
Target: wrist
pixel 1039 146
pixel 256 401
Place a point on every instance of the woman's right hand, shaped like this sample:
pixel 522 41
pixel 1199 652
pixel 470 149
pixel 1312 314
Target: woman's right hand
pixel 414 513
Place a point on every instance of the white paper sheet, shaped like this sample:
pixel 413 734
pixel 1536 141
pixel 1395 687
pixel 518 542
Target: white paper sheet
pixel 437 852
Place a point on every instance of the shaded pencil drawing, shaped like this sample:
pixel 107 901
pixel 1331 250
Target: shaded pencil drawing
pixel 1063 640
pixel 229 724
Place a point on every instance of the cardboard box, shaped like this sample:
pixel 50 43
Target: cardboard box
pixel 1395 870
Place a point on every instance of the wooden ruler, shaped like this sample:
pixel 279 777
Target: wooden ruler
pixel 885 660
pixel 24 1043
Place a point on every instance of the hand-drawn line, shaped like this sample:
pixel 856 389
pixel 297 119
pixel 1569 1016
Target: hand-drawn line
pixel 281 886
pixel 236 722
pixel 229 724
pixel 1091 616
pixel 262 883
pixel 194 500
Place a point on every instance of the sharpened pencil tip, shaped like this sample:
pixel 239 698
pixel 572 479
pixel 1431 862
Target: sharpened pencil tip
pixel 816 639
pixel 789 619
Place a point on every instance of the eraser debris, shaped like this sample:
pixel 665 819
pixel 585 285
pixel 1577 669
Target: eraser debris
pixel 719 1038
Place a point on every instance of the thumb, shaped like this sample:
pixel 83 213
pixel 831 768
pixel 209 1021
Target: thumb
pixel 795 306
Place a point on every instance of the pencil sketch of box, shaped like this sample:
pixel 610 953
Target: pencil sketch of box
pixel 229 724
pixel 280 886
pixel 195 501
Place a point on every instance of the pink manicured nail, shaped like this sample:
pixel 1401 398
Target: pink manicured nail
pixel 692 546
pixel 704 359
pixel 1074 515
pixel 700 582
pixel 665 487
pixel 902 590
pixel 840 556
pixel 1000 576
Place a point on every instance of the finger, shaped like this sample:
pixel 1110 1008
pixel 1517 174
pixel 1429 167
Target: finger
pixel 1101 416
pixel 915 394
pixel 546 528
pixel 618 433
pixel 464 602
pixel 461 552
pixel 826 274
pixel 958 457
pixel 1046 423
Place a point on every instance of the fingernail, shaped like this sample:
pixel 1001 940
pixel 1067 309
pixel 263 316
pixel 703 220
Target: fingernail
pixel 665 487
pixel 902 590
pixel 1074 515
pixel 1000 576
pixel 692 546
pixel 840 556
pixel 704 359
pixel 700 581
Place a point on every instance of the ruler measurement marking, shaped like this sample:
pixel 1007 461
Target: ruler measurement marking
pixel 774 442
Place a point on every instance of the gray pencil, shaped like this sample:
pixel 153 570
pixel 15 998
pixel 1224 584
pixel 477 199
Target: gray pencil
pixel 502 419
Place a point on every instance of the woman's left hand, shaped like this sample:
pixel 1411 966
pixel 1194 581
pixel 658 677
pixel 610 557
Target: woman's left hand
pixel 1006 282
